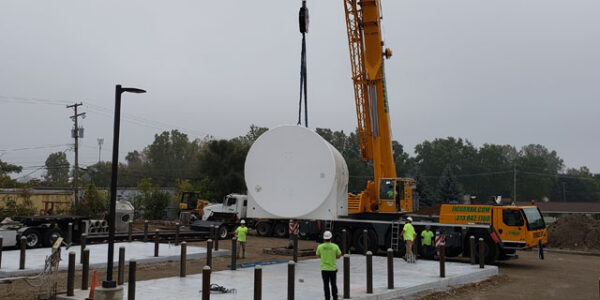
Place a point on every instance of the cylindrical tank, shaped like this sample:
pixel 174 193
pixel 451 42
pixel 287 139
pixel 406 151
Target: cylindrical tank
pixel 292 172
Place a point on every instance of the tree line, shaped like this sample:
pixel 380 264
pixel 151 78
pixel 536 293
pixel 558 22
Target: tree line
pixel 445 168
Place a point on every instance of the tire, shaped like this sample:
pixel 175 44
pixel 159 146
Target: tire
pixel 264 229
pixel 358 243
pixel 222 232
pixel 280 230
pixel 50 235
pixel 34 238
pixel 490 250
pixel 453 251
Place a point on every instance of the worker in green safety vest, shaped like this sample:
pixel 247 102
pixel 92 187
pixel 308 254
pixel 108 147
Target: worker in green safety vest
pixel 328 253
pixel 241 232
pixel 427 242
pixel 409 235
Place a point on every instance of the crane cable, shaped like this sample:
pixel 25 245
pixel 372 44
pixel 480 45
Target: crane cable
pixel 303 21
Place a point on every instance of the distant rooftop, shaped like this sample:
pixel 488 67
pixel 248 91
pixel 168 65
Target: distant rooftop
pixel 566 207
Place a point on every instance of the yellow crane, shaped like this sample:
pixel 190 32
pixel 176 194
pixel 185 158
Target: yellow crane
pixel 386 193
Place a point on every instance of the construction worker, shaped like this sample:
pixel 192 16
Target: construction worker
pixel 240 233
pixel 329 252
pixel 409 235
pixel 426 242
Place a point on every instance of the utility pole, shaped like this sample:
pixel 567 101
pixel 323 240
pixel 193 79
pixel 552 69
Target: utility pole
pixel 514 183
pixel 76 135
pixel 100 142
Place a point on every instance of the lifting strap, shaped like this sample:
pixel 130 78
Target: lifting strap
pixel 303 21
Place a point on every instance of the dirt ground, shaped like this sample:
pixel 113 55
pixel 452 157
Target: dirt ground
pixel 559 276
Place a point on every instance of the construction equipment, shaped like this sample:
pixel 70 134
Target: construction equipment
pixel 386 193
pixel 191 202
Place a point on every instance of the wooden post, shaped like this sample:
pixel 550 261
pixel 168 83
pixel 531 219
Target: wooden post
pixel 369 272
pixel 71 275
pixel 183 260
pixel 129 231
pixel 365 241
pixel 22 256
pixel 472 248
pixel 442 260
pixel 390 268
pixel 177 233
pixel 346 276
pixel 156 242
pixel 481 253
pixel 69 233
pixel 257 283
pixel 121 270
pixel 344 241
pixel 82 244
pixel 295 253
pixel 209 245
pixel 233 252
pixel 291 280
pixel 216 237
pixel 1 241
pixel 85 269
pixel 145 231
pixel 131 282
pixel 206 283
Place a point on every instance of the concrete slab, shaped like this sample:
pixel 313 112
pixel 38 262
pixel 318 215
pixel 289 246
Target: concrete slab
pixel 409 279
pixel 142 252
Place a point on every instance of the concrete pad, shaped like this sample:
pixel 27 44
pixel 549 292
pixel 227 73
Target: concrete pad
pixel 409 279
pixel 142 252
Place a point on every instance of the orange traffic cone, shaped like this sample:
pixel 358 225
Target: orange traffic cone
pixel 94 285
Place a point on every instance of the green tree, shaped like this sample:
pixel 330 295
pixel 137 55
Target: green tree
pixel 537 168
pixel 57 169
pixel 93 204
pixel 169 157
pixel 222 162
pixel 449 189
pixel 152 200
pixel 5 169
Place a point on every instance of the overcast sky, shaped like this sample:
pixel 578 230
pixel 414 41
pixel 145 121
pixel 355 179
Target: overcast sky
pixel 504 72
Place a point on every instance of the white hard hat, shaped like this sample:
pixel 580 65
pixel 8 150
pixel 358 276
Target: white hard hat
pixel 243 222
pixel 409 219
pixel 327 235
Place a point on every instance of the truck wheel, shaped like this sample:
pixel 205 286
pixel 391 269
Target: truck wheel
pixel 358 242
pixel 34 239
pixel 490 250
pixel 223 232
pixel 50 236
pixel 264 229
pixel 280 230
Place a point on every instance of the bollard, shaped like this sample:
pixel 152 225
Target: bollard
pixel 390 268
pixel 183 260
pixel 156 240
pixel 83 244
pixel 209 245
pixel 291 280
pixel 129 231
pixel 145 231
pixel 131 282
pixel 85 269
pixel 71 275
pixel 257 283
pixel 481 253
pixel 233 252
pixel 295 253
pixel 346 276
pixel 216 238
pixel 176 233
pixel 365 241
pixel 69 234
pixel 344 241
pixel 121 270
pixel 472 247
pixel 1 240
pixel 22 257
pixel 442 260
pixel 206 283
pixel 369 272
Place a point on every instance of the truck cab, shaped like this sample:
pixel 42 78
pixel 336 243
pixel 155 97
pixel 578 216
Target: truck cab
pixel 519 227
pixel 233 206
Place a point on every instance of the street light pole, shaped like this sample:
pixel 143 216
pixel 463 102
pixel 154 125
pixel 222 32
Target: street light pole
pixel 109 282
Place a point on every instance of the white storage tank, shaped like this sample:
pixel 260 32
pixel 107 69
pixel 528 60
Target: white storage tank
pixel 292 172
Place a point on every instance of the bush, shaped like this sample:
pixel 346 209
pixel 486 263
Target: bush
pixel 93 204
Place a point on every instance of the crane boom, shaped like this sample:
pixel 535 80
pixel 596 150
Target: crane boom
pixel 363 22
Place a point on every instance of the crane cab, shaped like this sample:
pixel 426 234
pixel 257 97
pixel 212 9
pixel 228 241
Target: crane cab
pixel 396 195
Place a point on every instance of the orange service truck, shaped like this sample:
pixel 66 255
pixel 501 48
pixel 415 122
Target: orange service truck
pixel 504 229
